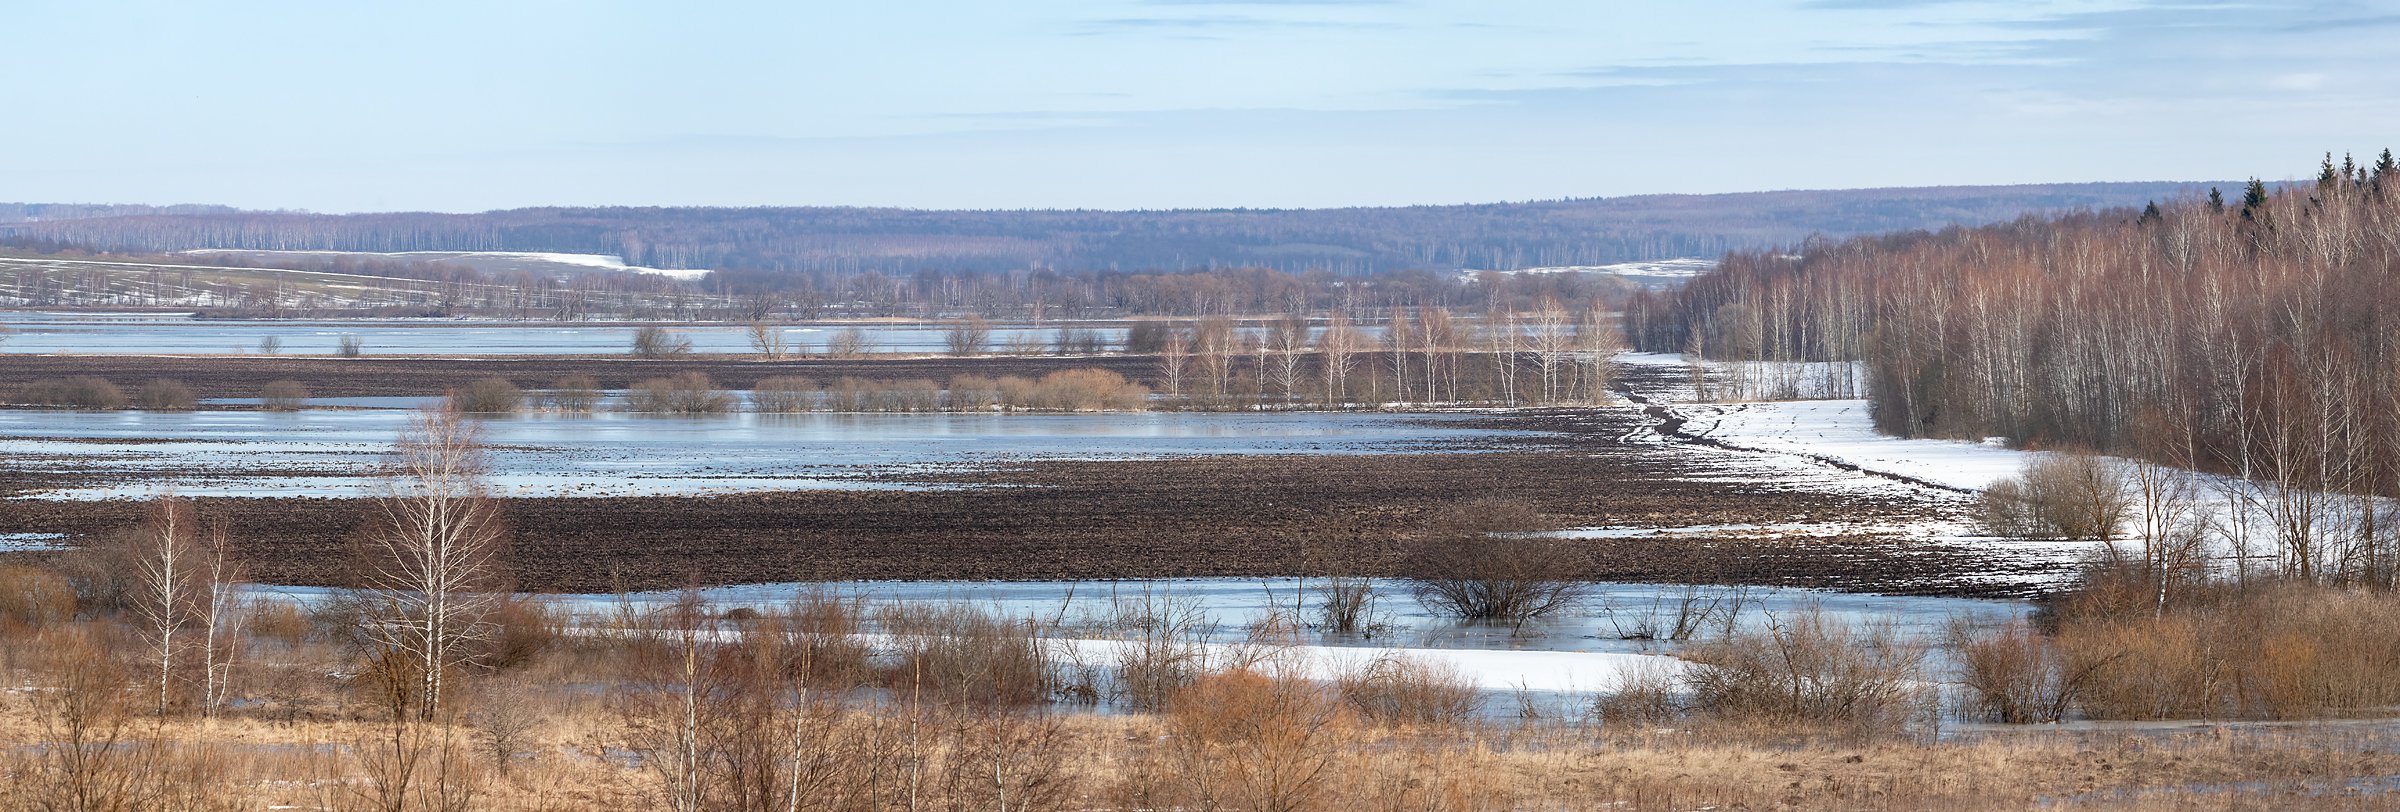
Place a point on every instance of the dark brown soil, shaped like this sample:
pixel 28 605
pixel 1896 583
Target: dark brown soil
pixel 1220 516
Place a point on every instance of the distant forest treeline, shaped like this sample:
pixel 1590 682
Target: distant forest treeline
pixel 841 241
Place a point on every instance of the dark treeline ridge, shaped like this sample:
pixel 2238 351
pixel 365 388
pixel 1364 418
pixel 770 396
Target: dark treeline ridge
pixel 1349 241
pixel 2252 331
pixel 61 277
pixel 43 212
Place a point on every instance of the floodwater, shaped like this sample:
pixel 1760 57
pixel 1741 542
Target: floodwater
pixel 1605 621
pixel 327 452
pixel 183 334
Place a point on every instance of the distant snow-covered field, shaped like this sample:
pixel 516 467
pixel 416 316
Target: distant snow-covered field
pixel 1648 273
pixel 530 261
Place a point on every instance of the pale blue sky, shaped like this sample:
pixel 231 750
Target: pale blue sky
pixel 458 106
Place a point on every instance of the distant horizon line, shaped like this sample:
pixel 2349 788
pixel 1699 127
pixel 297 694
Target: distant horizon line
pixel 229 208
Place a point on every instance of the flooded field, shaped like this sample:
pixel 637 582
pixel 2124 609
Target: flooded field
pixel 1615 629
pixel 327 452
pixel 183 334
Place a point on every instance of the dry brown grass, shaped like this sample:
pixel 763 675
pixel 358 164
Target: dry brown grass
pixel 2261 651
pixel 1252 740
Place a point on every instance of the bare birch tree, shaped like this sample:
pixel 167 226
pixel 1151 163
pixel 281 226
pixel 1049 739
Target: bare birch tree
pixel 221 617
pixel 1336 350
pixel 1175 359
pixel 166 568
pixel 1552 340
pixel 433 551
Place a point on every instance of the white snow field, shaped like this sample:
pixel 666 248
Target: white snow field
pixel 534 261
pixel 1811 443
pixel 1649 273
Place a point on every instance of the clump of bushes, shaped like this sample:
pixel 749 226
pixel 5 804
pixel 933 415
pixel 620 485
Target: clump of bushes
pixel 973 393
pixel 32 599
pixel 959 652
pixel 1074 390
pixel 1477 563
pixel 2074 496
pixel 1405 692
pixel 79 392
pixel 1808 670
pixel 849 394
pixel 492 395
pixel 284 396
pixel 165 395
pixel 653 341
pixel 689 393
pixel 574 393
pixel 2267 651
pixel 783 395
pixel 850 342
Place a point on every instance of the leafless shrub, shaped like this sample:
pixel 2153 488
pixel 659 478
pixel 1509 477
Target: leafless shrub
pixel 504 719
pixel 573 394
pixel 1347 606
pixel 2061 496
pixel 165 395
pixel 909 395
pixel 1397 690
pixel 278 620
pixel 689 393
pixel 1681 614
pixel 522 628
pixel 848 343
pixel 33 599
pixel 1079 341
pixel 1810 670
pixel 1645 695
pixel 2280 651
pixel 972 393
pixel 1024 342
pixel 283 396
pixel 270 345
pixel 1162 645
pixel 2012 674
pixel 350 346
pixel 820 632
pixel 2005 508
pixel 1246 740
pixel 492 395
pixel 653 341
pixel 767 340
pixel 79 392
pixel 408 765
pixel 967 336
pixel 92 759
pixel 957 652
pixel 1074 390
pixel 783 395
pixel 1475 563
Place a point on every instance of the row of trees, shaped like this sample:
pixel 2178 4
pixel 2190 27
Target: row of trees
pixel 430 563
pixel 2254 337
pixel 1550 355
